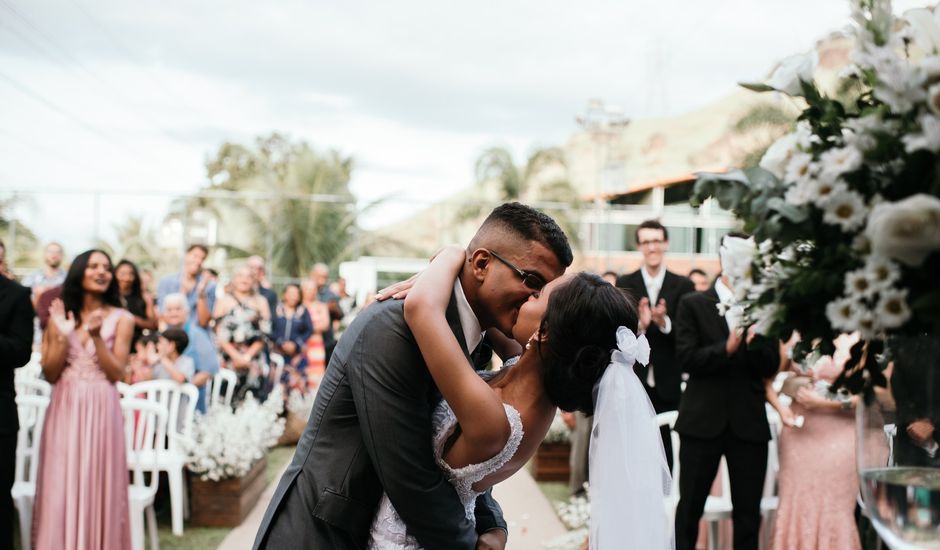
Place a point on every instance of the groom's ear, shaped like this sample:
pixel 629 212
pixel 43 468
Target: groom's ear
pixel 480 263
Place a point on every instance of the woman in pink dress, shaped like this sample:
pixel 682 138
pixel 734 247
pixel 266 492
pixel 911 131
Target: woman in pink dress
pixel 817 481
pixel 81 491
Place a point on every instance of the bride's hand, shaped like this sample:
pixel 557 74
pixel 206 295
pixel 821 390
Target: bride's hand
pixel 64 320
pixel 397 291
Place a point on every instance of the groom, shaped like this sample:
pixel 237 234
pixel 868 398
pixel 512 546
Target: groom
pixel 370 429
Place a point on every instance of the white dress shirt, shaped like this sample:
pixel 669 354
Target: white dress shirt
pixel 653 286
pixel 472 333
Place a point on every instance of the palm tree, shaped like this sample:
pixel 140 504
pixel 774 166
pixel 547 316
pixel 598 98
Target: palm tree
pixel 543 178
pixel 310 218
pixel 134 241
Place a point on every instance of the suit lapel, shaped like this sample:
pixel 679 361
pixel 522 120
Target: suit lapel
pixel 712 295
pixel 640 284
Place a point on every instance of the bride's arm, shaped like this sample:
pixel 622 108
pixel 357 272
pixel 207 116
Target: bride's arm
pixel 483 423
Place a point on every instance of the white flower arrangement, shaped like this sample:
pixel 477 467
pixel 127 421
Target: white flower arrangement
pixel 558 432
pixel 226 444
pixel 845 210
pixel 576 515
pixel 301 403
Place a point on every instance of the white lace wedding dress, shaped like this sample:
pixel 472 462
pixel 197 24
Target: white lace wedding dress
pixel 388 529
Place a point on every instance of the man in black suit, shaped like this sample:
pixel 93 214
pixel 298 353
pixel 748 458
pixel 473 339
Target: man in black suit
pixel 370 429
pixel 16 338
pixel 722 411
pixel 657 291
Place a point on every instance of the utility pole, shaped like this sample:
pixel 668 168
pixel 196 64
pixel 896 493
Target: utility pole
pixel 603 123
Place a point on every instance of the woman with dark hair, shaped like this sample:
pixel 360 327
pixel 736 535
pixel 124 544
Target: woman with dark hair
pixel 580 345
pixel 81 491
pixel 134 299
pixel 291 328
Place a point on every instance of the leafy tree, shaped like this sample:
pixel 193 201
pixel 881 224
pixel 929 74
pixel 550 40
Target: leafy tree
pixel 533 182
pixel 310 218
pixel 135 242
pixel 26 244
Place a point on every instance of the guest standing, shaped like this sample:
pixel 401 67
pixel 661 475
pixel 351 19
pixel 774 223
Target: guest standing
pixel 81 491
pixel 657 292
pixel 198 292
pixel 292 328
pixel 699 280
pixel 16 338
pixel 259 274
pixel 242 323
pixel 134 299
pixel 722 411
pixel 50 275
pixel 818 478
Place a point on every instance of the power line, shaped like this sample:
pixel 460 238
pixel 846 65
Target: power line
pixel 35 96
pixel 101 82
pixel 129 54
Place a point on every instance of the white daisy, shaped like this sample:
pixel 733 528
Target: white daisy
pixel 800 168
pixel 858 286
pixel 846 209
pixel 892 308
pixel 882 272
pixel 799 193
pixel 868 324
pixel 844 314
pixel 823 190
pixel 836 162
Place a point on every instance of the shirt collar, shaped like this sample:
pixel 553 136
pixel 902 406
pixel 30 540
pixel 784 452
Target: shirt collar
pixel 649 280
pixel 724 293
pixel 472 332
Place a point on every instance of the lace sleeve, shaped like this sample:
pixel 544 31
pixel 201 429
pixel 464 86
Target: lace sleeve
pixel 463 478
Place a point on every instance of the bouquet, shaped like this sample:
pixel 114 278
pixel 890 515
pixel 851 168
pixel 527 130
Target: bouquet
pixel 845 210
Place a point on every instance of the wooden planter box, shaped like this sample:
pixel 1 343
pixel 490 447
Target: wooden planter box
pixel 226 503
pixel 551 462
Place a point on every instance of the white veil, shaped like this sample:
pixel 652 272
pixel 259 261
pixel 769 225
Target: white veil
pixel 629 475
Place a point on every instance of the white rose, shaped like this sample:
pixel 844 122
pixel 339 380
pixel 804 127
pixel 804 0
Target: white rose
pixel 907 230
pixel 736 256
pixel 791 72
pixel 925 29
pixel 778 156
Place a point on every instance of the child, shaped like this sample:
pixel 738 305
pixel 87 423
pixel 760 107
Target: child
pixel 169 362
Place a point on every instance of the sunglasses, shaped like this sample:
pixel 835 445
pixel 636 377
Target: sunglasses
pixel 530 280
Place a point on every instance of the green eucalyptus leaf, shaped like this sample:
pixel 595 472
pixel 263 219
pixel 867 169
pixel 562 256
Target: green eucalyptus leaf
pixel 759 87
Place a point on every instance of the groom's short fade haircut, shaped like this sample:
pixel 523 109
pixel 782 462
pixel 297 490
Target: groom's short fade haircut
pixel 528 224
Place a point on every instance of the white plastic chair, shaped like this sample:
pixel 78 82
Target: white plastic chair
pixel 717 507
pixel 215 394
pixel 170 453
pixel 145 424
pixel 31 410
pixel 32 386
pixel 31 370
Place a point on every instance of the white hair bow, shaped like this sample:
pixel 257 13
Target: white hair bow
pixel 631 349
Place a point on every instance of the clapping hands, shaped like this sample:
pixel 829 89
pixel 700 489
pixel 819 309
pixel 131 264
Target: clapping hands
pixel 63 320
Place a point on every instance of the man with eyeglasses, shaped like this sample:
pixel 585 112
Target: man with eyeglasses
pixel 372 416
pixel 657 291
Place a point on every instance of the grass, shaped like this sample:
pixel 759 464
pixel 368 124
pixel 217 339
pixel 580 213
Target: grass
pixel 198 537
pixel 554 491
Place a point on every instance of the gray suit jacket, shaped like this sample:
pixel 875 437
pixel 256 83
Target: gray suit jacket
pixel 370 431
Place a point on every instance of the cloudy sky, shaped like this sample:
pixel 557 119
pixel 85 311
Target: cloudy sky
pixel 130 97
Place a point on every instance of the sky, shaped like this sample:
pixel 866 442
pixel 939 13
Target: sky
pixel 129 98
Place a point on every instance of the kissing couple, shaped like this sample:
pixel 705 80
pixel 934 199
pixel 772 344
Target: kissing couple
pixel 406 439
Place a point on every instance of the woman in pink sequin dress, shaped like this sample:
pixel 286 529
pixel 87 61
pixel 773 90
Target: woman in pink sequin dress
pixel 81 492
pixel 817 481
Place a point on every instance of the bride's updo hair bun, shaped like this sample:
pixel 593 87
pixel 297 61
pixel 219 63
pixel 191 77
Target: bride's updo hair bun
pixel 580 326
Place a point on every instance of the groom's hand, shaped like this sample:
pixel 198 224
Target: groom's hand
pixel 494 539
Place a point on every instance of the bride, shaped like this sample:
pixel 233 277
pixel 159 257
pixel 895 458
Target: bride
pixel 580 347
